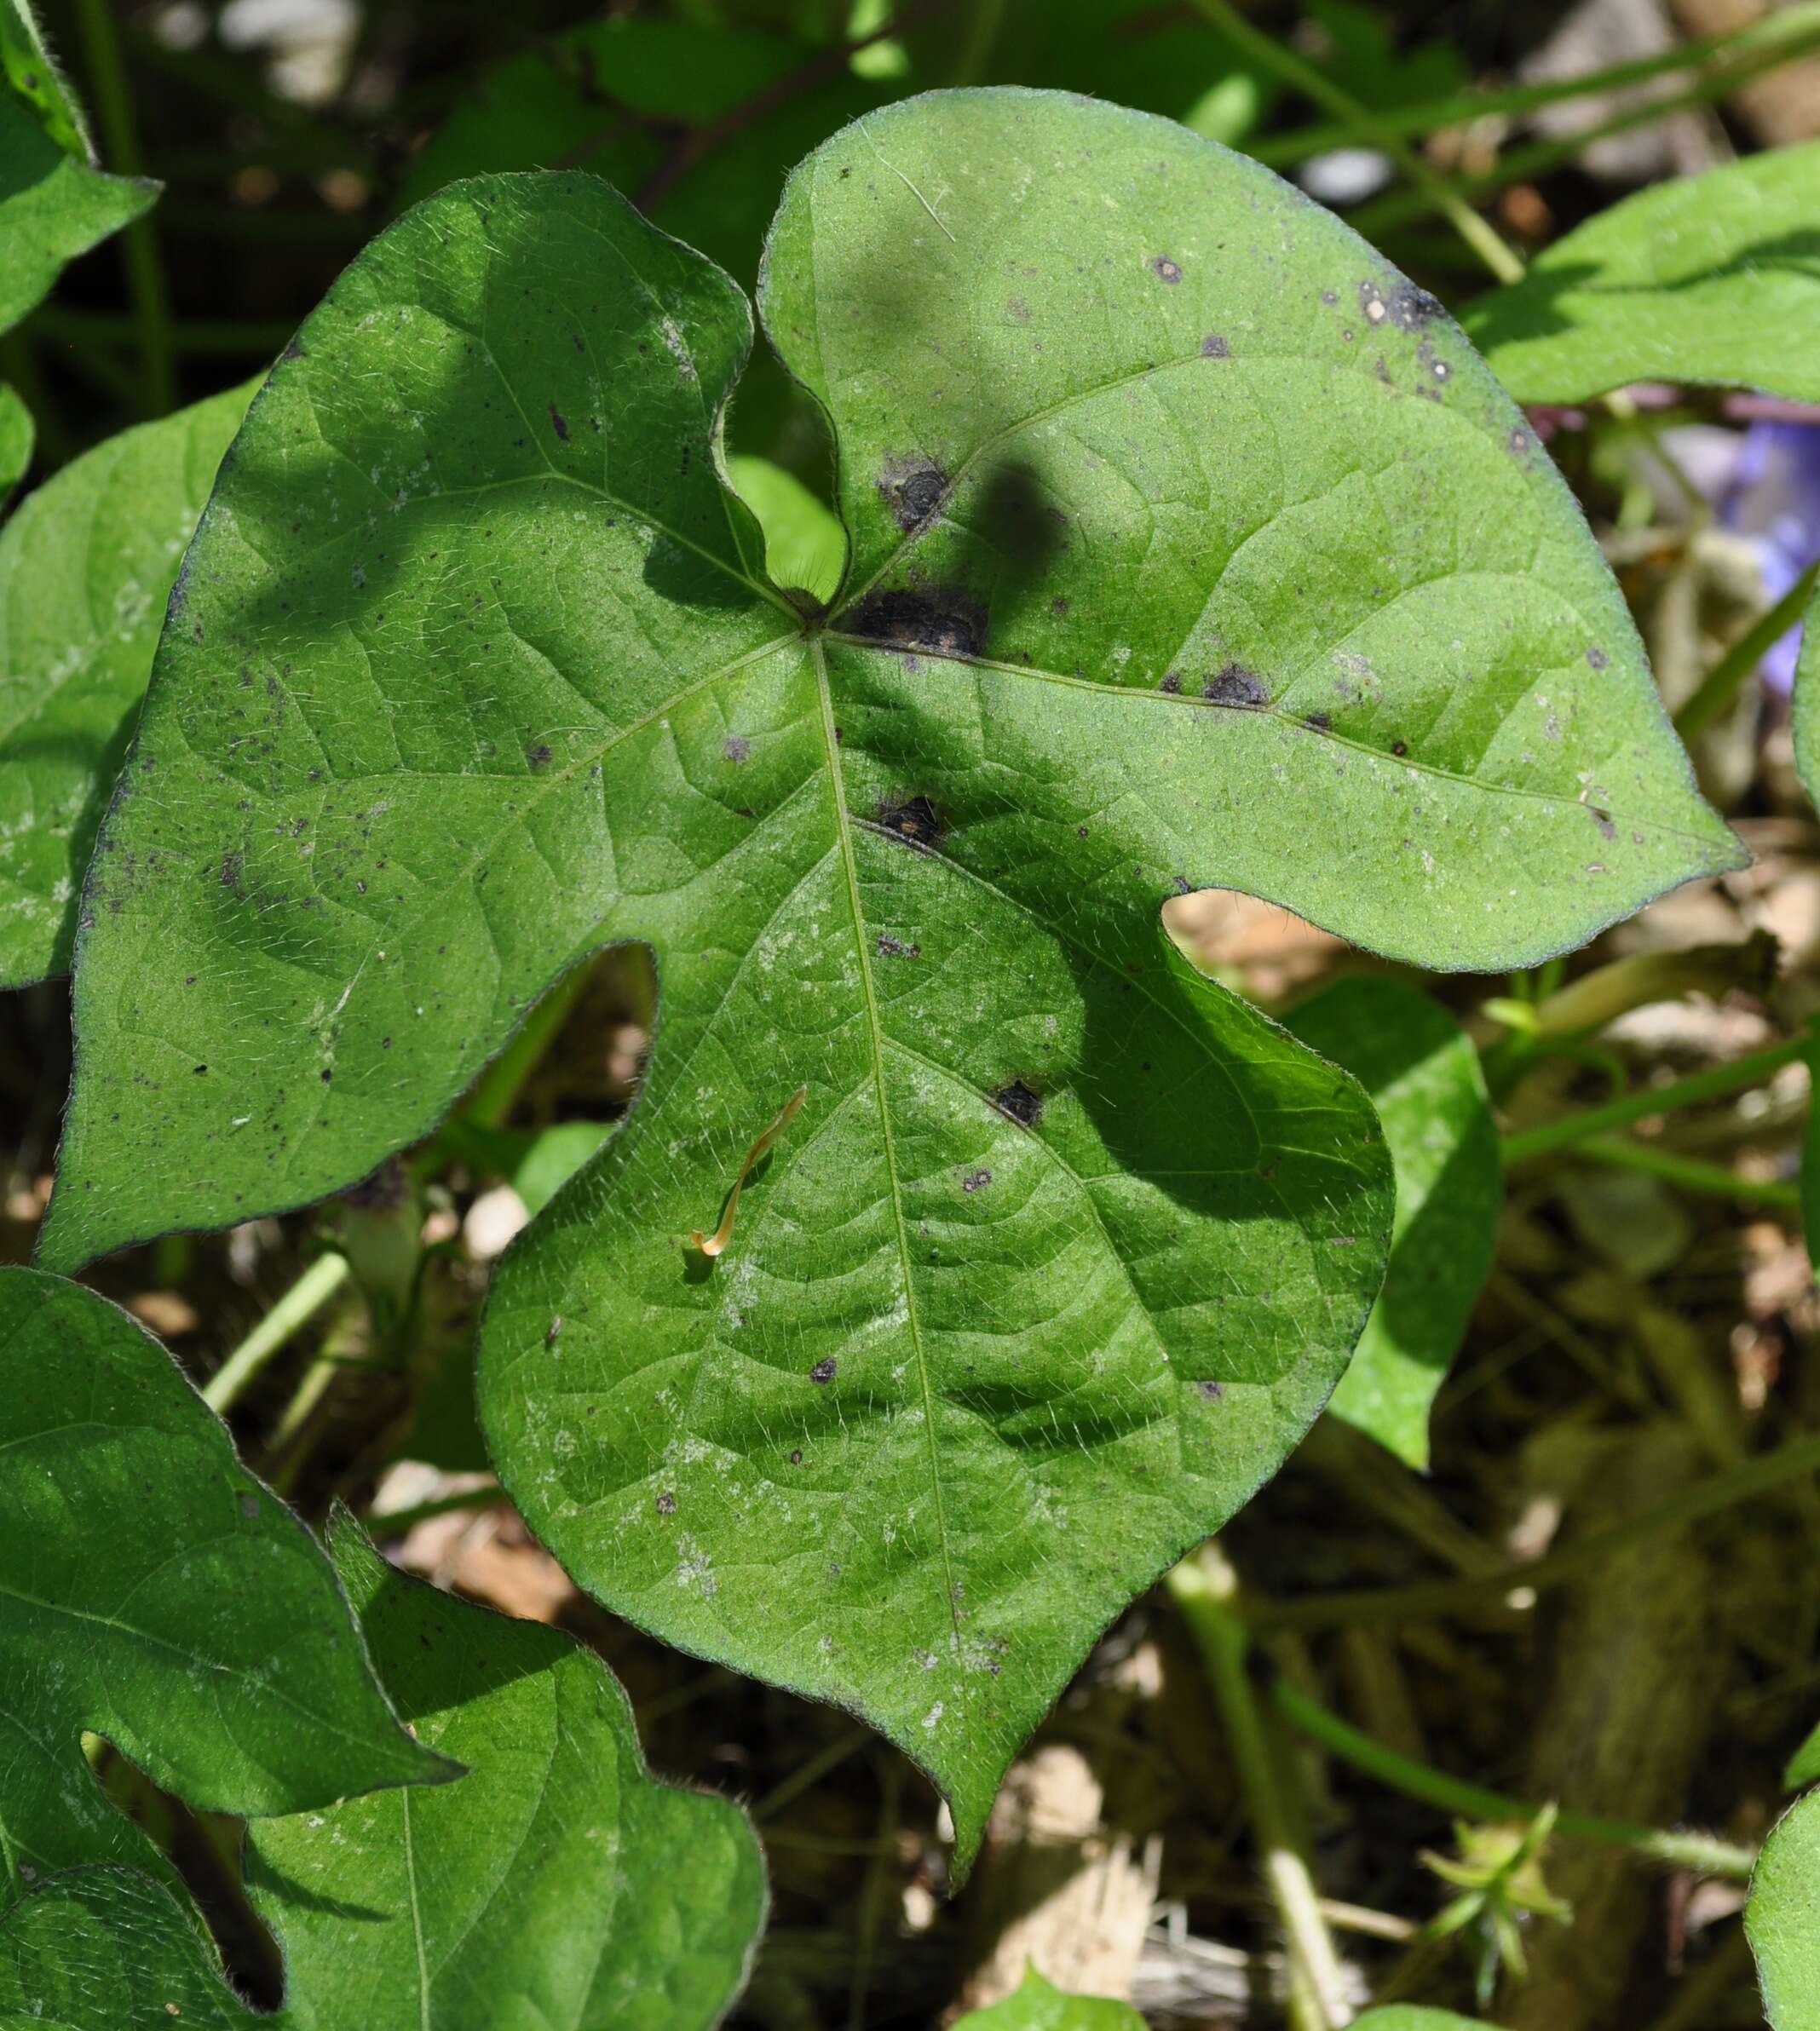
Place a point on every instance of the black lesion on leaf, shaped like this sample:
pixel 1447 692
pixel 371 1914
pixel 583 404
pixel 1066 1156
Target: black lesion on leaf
pixel 823 1371
pixel 1211 1392
pixel 913 489
pixel 559 423
pixel 666 1504
pixel 737 747
pixel 941 620
pixel 1213 347
pixel 913 821
pixel 1319 721
pixel 1022 1103
pixel 1233 684
pixel 539 753
pixel 1412 308
pixel 1166 270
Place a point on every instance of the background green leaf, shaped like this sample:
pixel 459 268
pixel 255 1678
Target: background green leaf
pixel 15 441
pixel 1804 1766
pixel 557 1884
pixel 1423 1075
pixel 1782 1918
pixel 157 1595
pixel 54 203
pixel 1040 2005
pixel 86 567
pixel 1411 2017
pixel 804 546
pixel 1712 278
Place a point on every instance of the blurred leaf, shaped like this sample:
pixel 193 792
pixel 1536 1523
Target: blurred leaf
pixel 1040 2005
pixel 16 439
pixel 557 1884
pixel 805 547
pixel 1712 278
pixel 86 567
pixel 1423 1075
pixel 1411 2016
pixel 551 1158
pixel 1782 1918
pixel 54 203
pixel 157 1595
pixel 1804 1766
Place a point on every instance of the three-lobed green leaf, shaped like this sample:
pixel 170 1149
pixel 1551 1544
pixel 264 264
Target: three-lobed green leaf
pixel 1424 1079
pixel 1713 279
pixel 1782 1918
pixel 1190 545
pixel 86 566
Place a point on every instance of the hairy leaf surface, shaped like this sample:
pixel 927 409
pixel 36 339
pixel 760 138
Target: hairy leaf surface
pixel 86 567
pixel 1040 2005
pixel 1713 279
pixel 1782 1918
pixel 153 1592
pixel 54 203
pixel 1191 546
pixel 1424 1077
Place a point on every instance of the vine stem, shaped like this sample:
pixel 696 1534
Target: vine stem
pixel 1204 1588
pixel 1426 1598
pixel 1473 1801
pixel 1723 680
pixel 1690 1174
pixel 145 267
pixel 1504 262
pixel 299 1304
pixel 1529 1143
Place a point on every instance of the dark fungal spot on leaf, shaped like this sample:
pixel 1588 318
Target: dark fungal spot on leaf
pixel 1603 820
pixel 913 489
pixel 1211 1392
pixel 1412 307
pixel 737 747
pixel 796 1456
pixel 539 755
pixel 913 821
pixel 823 1370
pixel 1021 1103
pixel 1166 270
pixel 559 423
pixel 976 1181
pixel 1319 721
pixel 1171 683
pixel 666 1503
pixel 1213 347
pixel 1597 659
pixel 941 621
pixel 1234 685
pixel 894 948
pixel 1399 747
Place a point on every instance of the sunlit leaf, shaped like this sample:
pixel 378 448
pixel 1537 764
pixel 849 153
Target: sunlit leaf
pixel 1713 279
pixel 1191 546
pixel 1040 2005
pixel 1782 1918
pixel 1423 1075
pixel 86 567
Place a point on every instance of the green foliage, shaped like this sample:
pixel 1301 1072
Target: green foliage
pixel 1411 2016
pixel 1040 2005
pixel 1702 279
pixel 15 441
pixel 86 567
pixel 54 203
pixel 909 858
pixel 1782 1918
pixel 805 548
pixel 170 1603
pixel 1424 1077
pixel 556 1884
pixel 1804 1766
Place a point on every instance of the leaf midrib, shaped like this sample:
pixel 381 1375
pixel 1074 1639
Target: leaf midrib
pixel 845 829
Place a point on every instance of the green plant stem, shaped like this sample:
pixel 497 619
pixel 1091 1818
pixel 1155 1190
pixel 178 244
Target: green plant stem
pixel 498 1088
pixel 299 1305
pixel 1427 1599
pixel 1689 1174
pixel 1434 115
pixel 1313 83
pixel 1737 663
pixel 1473 1802
pixel 393 1523
pixel 1529 1143
pixel 145 267
pixel 1203 1587
pixel 1384 215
